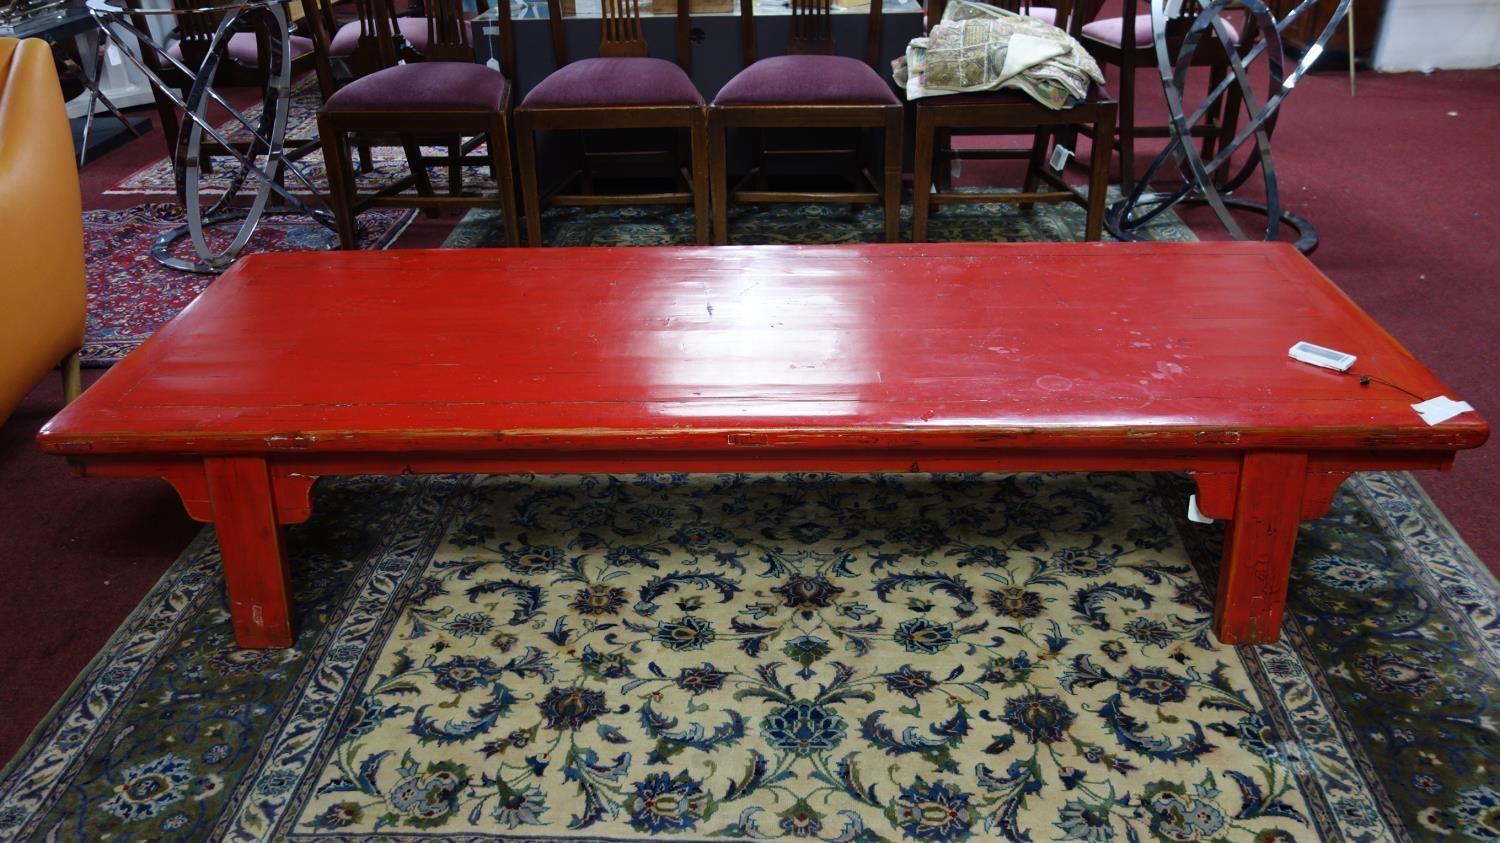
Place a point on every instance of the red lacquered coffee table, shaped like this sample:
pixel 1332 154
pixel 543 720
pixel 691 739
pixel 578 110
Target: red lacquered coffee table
pixel 961 357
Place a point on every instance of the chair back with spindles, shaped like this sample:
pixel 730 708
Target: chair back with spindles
pixel 811 30
pixel 381 44
pixel 450 33
pixel 620 29
pixel 1065 19
pixel 195 31
pixel 620 32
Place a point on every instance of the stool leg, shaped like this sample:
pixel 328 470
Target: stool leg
pixel 1258 548
pixel 892 167
pixel 499 143
pixel 1104 139
pixel 419 171
pixel 921 198
pixel 526 151
pixel 1034 164
pixel 718 175
pixel 340 179
pixel 701 190
pixel 253 550
pixel 72 377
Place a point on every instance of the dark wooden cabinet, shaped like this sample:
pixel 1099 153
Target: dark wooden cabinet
pixel 1304 31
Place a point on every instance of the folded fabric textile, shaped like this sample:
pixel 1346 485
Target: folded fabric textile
pixel 978 47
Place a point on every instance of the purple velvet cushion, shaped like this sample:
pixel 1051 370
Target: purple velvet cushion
pixel 1043 13
pixel 1108 30
pixel 614 81
pixel 806 80
pixel 242 48
pixel 424 86
pixel 344 42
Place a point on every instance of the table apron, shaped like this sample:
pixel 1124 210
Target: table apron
pixel 294 473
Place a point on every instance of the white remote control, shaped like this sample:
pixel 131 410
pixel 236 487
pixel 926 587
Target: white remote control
pixel 1317 355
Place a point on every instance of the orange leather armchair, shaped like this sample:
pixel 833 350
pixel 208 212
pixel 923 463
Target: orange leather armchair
pixel 42 293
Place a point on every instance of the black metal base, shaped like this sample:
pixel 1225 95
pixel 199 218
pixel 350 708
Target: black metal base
pixel 106 134
pixel 1307 233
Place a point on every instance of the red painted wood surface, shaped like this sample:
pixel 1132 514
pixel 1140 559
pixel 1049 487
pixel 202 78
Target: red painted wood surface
pixel 850 358
pixel 1258 547
pixel 253 550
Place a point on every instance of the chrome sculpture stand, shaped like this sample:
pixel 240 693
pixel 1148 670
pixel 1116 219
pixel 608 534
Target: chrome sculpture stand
pixel 1124 217
pixel 267 138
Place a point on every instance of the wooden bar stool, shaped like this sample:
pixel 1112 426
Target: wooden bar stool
pixel 449 99
pixel 811 87
pixel 1009 112
pixel 623 88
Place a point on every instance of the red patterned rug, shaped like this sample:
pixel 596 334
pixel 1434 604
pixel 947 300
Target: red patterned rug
pixel 388 162
pixel 131 295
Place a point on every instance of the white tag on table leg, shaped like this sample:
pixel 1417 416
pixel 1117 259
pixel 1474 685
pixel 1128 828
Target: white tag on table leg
pixel 1440 409
pixel 1195 514
pixel 1060 156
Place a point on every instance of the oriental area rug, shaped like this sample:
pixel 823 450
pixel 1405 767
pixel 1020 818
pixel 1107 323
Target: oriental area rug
pixel 387 163
pixel 130 295
pixel 853 658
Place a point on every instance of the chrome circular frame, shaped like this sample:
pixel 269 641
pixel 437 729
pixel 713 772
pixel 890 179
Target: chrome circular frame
pixel 267 138
pixel 1127 215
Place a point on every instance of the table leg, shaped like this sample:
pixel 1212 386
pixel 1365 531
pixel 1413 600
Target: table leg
pixel 253 548
pixel 1258 548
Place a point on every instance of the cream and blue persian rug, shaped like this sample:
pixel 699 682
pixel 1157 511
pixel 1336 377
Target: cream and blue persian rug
pixel 900 657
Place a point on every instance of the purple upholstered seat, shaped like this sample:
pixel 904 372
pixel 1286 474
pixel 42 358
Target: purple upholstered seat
pixel 1109 30
pixel 1043 13
pixel 603 82
pixel 807 80
pixel 424 86
pixel 344 42
pixel 242 48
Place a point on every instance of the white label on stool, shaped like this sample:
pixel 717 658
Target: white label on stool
pixel 1195 514
pixel 1060 156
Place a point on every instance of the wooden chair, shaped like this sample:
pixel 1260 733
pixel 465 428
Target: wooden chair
pixel 939 119
pixel 350 49
pixel 1107 42
pixel 810 87
pixel 623 88
pixel 448 98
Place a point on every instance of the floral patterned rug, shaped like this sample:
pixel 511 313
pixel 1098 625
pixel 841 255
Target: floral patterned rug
pixel 900 657
pixel 130 295
pixel 995 222
pixel 388 162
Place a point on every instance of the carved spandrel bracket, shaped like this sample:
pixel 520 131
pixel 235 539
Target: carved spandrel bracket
pixel 292 494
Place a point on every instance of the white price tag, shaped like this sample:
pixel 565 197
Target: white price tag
pixel 1060 156
pixel 1440 409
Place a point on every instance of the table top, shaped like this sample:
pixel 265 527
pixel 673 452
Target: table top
pixel 59 22
pixel 1015 345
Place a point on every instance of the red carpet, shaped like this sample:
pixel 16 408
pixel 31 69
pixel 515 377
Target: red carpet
pixel 1397 187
